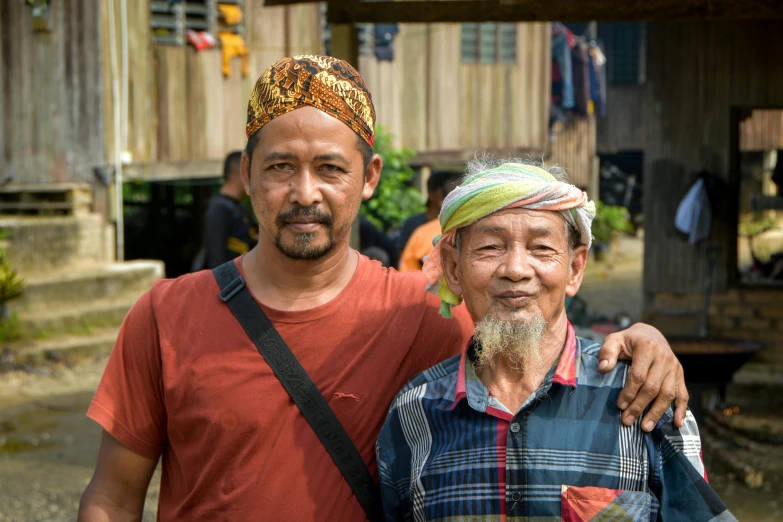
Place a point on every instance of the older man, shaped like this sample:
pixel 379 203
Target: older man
pixel 522 425
pixel 185 383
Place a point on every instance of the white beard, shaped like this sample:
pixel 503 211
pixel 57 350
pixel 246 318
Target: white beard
pixel 514 341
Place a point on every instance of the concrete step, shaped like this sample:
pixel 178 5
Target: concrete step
pixel 69 349
pixel 57 291
pixel 46 244
pixel 79 319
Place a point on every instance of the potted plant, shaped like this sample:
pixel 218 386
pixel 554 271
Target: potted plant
pixel 610 221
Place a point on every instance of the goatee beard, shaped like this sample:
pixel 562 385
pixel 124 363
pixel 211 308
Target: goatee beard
pixel 303 249
pixel 515 342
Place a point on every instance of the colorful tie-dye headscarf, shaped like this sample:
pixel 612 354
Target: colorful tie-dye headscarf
pixel 323 82
pixel 511 185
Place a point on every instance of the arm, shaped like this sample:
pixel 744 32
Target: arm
pixel 655 374
pixel 217 227
pixel 677 475
pixel 118 487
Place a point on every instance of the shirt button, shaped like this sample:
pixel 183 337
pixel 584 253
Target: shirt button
pixel 514 427
pixel 516 496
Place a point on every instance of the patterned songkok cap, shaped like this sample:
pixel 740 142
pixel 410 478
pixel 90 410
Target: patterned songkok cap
pixel 323 82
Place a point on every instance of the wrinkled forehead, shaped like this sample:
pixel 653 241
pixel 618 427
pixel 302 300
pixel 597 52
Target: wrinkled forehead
pixel 519 223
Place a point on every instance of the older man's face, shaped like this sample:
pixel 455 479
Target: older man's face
pixel 514 265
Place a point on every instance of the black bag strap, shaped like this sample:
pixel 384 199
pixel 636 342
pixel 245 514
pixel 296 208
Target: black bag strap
pixel 300 387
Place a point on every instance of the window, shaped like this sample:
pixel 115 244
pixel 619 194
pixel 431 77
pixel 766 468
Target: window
pixel 489 43
pixel 170 22
pixel 626 66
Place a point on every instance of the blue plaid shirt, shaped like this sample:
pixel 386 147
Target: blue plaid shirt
pixel 450 451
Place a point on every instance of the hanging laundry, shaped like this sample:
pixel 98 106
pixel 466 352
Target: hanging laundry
pixel 231 14
pixel 200 40
pixel 598 78
pixel 694 214
pixel 562 79
pixel 233 45
pixel 580 63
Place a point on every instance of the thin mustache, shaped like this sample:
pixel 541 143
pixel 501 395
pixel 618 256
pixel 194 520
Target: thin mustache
pixel 315 214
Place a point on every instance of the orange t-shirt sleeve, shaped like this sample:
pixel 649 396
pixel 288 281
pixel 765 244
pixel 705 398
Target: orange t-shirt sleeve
pixel 440 338
pixel 129 400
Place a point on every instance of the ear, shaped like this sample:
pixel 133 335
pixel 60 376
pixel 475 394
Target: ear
pixel 244 172
pixel 372 176
pixel 450 265
pixel 576 270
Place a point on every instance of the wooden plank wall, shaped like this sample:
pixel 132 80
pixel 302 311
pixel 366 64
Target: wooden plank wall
pixel 50 89
pixel 696 73
pixel 623 127
pixel 143 118
pixel 201 114
pixel 762 131
pixel 573 148
pixel 433 102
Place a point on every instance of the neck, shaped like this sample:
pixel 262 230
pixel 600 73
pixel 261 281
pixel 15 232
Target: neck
pixel 233 192
pixel 512 385
pixel 290 285
pixel 432 213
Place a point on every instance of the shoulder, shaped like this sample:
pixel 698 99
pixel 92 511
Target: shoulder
pixel 188 291
pixel 433 383
pixel 406 288
pixel 588 367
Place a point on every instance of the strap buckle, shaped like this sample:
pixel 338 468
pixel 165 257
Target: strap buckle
pixel 232 289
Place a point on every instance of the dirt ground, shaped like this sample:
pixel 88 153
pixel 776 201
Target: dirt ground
pixel 48 447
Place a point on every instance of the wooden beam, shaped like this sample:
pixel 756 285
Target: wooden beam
pixel 345 43
pixel 466 11
pixel 172 170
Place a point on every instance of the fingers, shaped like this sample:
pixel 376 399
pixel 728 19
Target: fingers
pixel 636 378
pixel 682 399
pixel 662 402
pixel 610 350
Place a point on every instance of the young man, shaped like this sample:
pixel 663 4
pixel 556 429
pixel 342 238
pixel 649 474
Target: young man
pixel 185 383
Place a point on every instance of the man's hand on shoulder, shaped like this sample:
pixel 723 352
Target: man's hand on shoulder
pixel 655 373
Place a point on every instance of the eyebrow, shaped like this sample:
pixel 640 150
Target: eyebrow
pixel 487 229
pixel 272 156
pixel 331 157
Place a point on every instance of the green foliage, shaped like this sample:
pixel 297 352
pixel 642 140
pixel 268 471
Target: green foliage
pixel 11 329
pixel 10 283
pixel 610 221
pixel 395 198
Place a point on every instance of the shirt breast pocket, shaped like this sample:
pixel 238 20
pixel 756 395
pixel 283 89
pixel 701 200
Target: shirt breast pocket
pixel 588 503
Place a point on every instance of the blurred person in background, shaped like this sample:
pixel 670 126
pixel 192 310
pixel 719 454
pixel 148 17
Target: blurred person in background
pixel 230 229
pixel 419 244
pixel 435 197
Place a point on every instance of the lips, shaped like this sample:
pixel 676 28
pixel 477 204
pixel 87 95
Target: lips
pixel 515 299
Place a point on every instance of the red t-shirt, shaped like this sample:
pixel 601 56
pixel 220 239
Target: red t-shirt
pixel 185 381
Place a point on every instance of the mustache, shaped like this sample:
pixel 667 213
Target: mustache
pixel 311 213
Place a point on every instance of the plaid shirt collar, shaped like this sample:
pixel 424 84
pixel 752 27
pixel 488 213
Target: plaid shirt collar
pixel 470 387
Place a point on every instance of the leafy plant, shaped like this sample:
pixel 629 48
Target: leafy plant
pixel 395 197
pixel 609 221
pixel 11 329
pixel 10 283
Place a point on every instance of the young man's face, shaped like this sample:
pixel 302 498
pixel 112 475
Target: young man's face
pixel 306 181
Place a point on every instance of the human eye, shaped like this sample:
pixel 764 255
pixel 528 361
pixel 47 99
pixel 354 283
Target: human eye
pixel 329 168
pixel 281 167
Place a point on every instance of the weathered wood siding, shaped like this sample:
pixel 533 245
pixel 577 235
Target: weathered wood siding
pixel 51 93
pixel 432 101
pixel 762 131
pixel 573 148
pixel 623 127
pixel 696 73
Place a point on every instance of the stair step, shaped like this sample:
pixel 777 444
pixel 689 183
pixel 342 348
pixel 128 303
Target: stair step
pixel 52 292
pixel 67 348
pixel 76 319
pixel 46 244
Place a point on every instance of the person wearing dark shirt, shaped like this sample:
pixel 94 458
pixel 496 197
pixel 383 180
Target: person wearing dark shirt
pixel 435 196
pixel 230 228
pixel 374 243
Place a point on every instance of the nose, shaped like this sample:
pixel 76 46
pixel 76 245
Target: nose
pixel 515 265
pixel 305 189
